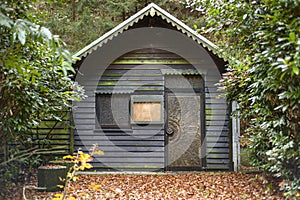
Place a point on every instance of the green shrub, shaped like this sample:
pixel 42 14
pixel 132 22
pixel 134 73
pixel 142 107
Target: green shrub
pixel 261 41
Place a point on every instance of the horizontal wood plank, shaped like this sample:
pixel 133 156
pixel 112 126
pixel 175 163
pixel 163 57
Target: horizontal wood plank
pixel 211 150
pixel 217 161
pixel 128 160
pixel 118 154
pixel 134 166
pixel 86 148
pixel 120 138
pixel 217 156
pixel 217 139
pixel 217 145
pixel 217 167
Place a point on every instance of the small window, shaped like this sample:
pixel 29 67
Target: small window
pixel 146 109
pixel 147 112
pixel 112 110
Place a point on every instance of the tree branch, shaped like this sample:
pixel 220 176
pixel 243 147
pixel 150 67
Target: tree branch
pixel 31 152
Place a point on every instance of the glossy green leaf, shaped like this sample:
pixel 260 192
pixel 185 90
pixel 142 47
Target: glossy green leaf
pixel 22 36
pixel 296 69
pixel 5 21
pixel 45 32
pixel 292 37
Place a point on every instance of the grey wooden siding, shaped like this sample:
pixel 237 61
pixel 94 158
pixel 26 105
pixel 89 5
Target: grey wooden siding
pixel 138 147
pixel 92 68
pixel 143 147
pixel 217 128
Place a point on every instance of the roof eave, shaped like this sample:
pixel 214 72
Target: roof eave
pixel 153 10
pixel 113 32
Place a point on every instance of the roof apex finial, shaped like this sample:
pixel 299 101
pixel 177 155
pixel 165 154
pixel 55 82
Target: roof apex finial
pixel 152 12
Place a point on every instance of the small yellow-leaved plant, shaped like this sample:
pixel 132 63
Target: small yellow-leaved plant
pixel 80 162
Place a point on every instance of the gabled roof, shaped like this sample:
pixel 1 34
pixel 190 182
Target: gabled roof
pixel 152 10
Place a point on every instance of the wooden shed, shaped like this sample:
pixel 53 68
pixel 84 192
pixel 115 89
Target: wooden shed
pixel 152 102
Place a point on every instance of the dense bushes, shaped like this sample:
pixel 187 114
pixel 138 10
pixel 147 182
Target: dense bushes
pixel 34 84
pixel 261 41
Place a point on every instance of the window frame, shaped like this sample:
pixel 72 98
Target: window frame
pixel 146 99
pixel 114 125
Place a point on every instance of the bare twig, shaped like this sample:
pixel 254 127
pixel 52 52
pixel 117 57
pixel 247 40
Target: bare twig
pixel 30 187
pixel 30 152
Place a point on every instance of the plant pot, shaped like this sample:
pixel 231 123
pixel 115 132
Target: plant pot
pixel 50 176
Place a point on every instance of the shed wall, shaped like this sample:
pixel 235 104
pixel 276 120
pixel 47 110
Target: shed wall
pixel 216 138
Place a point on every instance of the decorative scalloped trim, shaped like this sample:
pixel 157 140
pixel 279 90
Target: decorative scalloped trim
pixel 152 10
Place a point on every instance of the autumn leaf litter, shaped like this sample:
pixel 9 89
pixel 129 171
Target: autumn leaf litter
pixel 203 185
pixel 174 186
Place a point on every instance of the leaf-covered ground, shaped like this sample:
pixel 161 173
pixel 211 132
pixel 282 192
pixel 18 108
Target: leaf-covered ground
pixel 205 185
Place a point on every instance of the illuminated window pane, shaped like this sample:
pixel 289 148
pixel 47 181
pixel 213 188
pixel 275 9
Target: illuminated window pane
pixel 147 111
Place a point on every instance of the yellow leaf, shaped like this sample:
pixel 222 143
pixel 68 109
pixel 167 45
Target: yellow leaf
pixel 58 197
pixel 72 198
pixel 81 167
pixel 75 161
pixel 99 152
pixel 61 179
pixel 75 178
pixel 81 194
pixel 60 186
pixel 84 157
pixel 91 185
pixel 68 157
pixel 96 187
pixel 88 166
pixel 69 175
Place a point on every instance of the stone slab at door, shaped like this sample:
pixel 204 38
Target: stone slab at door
pixel 183 131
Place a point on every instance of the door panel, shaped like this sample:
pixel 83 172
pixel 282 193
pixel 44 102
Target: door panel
pixel 183 130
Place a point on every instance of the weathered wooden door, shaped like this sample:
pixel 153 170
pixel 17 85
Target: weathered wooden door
pixel 183 130
pixel 183 124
